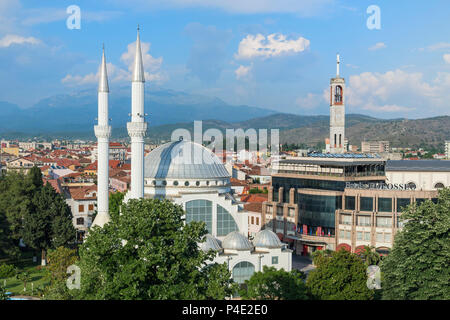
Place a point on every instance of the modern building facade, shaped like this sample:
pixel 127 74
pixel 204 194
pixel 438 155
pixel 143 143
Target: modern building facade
pixel 375 147
pixel 306 192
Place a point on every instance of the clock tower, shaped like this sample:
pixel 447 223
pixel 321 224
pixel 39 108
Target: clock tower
pixel 337 113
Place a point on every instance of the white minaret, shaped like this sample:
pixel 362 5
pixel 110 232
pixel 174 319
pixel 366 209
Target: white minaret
pixel 337 112
pixel 102 132
pixel 137 127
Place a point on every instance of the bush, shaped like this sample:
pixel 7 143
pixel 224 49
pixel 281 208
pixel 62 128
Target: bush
pixel 7 270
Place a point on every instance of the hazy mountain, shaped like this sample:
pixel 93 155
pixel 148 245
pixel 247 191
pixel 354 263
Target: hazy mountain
pixel 77 112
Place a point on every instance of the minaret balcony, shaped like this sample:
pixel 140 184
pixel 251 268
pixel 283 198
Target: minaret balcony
pixel 102 131
pixel 137 129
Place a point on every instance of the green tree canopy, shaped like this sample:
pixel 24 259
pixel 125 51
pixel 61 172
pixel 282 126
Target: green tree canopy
pixel 418 264
pixel 340 275
pixel 273 284
pixel 148 253
pixel 115 202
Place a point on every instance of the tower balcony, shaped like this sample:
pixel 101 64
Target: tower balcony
pixel 137 129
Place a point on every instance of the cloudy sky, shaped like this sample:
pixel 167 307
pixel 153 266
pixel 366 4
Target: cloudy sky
pixel 278 54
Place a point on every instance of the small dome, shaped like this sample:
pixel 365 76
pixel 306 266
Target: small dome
pixel 183 160
pixel 236 241
pixel 267 239
pixel 210 243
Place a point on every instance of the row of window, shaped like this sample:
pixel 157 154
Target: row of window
pixel 186 183
pixel 384 204
pixel 81 207
pixel 252 220
pixel 365 221
pixel 365 236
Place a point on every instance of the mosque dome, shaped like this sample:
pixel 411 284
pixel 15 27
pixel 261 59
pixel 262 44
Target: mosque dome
pixel 183 160
pixel 236 241
pixel 267 239
pixel 210 243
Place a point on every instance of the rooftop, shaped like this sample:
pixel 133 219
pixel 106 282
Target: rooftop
pixel 418 165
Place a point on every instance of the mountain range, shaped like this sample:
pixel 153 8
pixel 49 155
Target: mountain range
pixel 74 115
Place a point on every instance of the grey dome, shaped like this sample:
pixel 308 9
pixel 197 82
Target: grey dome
pixel 236 241
pixel 267 239
pixel 183 160
pixel 210 243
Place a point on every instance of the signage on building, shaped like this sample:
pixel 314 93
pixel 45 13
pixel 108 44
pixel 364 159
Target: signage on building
pixel 380 186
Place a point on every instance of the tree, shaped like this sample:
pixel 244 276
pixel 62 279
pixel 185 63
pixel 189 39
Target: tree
pixel 48 224
pixel 339 276
pixel 418 264
pixel 369 256
pixel 149 253
pixel 115 202
pixel 25 278
pixel 273 284
pixel 59 260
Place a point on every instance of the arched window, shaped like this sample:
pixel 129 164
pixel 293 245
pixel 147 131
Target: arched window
pixel 225 222
pixel 340 140
pixel 243 271
pixel 335 140
pixel 80 221
pixel 439 185
pixel 186 183
pixel 338 95
pixel 200 210
pixel 175 183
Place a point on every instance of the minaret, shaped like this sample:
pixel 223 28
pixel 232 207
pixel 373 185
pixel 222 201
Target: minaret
pixel 337 112
pixel 137 127
pixel 102 132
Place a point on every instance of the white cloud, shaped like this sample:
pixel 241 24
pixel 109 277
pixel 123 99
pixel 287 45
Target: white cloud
pixel 242 71
pixel 436 46
pixel 275 45
pixel 377 46
pixel 446 58
pixel 310 101
pixel 397 91
pixel 11 39
pixel 152 69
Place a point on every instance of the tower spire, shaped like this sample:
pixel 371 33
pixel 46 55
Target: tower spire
pixel 103 79
pixel 337 65
pixel 138 69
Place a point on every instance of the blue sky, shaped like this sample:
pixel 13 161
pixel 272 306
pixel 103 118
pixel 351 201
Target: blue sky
pixel 278 55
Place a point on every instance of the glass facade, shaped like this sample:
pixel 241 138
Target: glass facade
pixel 350 203
pixel 200 210
pixel 402 202
pixel 225 222
pixel 243 271
pixel 366 204
pixel 317 210
pixel 385 204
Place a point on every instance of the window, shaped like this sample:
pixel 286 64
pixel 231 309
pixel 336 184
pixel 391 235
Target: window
pixel 349 203
pixel 346 219
pixel 385 204
pixel 197 183
pixel 279 211
pixel 275 260
pixel 270 209
pixel 91 207
pixel 225 222
pixel 400 222
pixel 200 210
pixel 363 220
pixel 257 221
pixel 439 185
pixel 243 271
pixel 387 237
pixel 379 237
pixel 186 183
pixel 164 182
pixel 359 235
pixel 347 235
pixel 175 183
pixel 81 208
pixel 80 221
pixel 384 222
pixel 367 236
pixel 366 204
pixel 402 202
pixel 338 94
pixel 253 220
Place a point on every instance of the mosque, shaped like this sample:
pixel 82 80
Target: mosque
pixel 190 175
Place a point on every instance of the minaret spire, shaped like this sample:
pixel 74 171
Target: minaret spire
pixel 137 127
pixel 102 132
pixel 138 69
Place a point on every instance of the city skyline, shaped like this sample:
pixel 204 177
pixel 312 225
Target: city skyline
pixel 275 56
